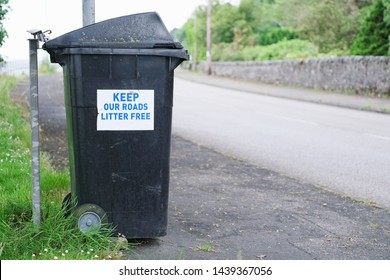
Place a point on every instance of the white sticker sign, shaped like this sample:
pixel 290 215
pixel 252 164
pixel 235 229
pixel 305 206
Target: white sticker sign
pixel 120 109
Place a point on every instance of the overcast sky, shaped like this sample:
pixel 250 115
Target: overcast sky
pixel 62 16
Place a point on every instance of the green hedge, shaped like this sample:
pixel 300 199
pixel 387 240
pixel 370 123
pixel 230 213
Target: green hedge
pixel 287 49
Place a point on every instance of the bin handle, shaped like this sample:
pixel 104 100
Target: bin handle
pixel 174 62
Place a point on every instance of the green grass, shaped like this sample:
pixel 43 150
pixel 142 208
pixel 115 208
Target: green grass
pixel 206 248
pixel 46 67
pixel 57 237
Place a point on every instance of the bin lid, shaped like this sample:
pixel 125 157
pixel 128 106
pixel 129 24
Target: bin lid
pixel 137 31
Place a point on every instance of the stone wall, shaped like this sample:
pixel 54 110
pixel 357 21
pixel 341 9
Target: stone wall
pixel 362 75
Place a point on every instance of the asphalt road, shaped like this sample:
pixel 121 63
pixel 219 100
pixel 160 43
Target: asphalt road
pixel 221 207
pixel 347 151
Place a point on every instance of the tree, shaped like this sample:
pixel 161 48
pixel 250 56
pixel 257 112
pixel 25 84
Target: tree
pixel 253 11
pixel 3 11
pixel 275 33
pixel 373 37
pixel 362 3
pixel 331 24
pixel 228 26
pixel 386 19
pixel 225 19
pixel 190 36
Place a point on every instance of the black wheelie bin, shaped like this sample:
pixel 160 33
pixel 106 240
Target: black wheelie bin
pixel 118 87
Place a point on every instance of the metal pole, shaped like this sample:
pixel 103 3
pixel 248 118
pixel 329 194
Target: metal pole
pixel 34 116
pixel 209 38
pixel 88 12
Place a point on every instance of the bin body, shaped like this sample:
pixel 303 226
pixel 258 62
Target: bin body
pixel 120 165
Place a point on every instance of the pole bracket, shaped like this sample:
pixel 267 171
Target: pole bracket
pixel 40 35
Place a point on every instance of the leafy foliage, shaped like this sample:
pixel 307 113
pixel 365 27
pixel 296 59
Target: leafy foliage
pixel 244 32
pixel 3 11
pixel 373 38
pixel 274 34
pixel 332 24
pixel 286 49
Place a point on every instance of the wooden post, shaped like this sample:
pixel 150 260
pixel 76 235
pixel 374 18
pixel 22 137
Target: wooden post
pixel 209 38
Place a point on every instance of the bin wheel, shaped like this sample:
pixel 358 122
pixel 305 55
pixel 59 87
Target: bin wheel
pixel 90 217
pixel 67 205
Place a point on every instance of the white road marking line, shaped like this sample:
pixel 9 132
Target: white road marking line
pixel 378 136
pixel 287 118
